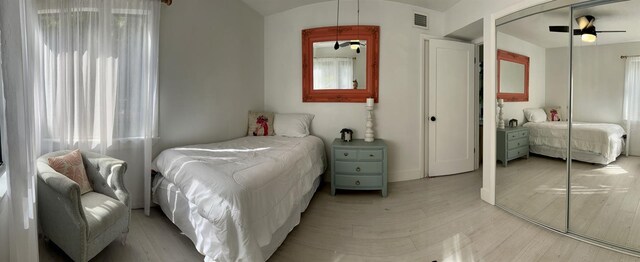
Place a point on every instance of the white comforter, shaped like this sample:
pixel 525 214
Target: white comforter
pixel 246 187
pixel 597 138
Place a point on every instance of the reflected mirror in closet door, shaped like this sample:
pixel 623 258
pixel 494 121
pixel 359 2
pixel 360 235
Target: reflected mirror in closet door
pixel 531 171
pixel 605 182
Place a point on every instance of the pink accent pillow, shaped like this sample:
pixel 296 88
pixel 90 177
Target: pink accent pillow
pixel 260 124
pixel 72 167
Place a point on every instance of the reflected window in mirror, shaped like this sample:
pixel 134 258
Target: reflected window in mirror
pixel 346 74
pixel 339 69
pixel 513 77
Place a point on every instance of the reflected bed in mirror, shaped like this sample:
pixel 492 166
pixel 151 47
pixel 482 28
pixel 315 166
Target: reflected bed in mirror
pixel 513 77
pixel 346 74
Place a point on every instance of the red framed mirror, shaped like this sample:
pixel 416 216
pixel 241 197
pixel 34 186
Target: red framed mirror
pixel 513 77
pixel 342 75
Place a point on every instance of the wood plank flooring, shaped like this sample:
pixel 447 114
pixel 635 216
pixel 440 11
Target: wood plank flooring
pixel 439 219
pixel 605 199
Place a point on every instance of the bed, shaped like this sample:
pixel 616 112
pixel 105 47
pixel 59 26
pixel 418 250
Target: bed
pixel 598 143
pixel 237 200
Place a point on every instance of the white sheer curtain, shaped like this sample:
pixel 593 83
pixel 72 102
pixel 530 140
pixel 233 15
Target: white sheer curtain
pixel 96 64
pixel 631 105
pixel 333 73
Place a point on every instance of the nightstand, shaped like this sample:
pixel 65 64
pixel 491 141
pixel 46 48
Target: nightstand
pixel 512 143
pixel 359 165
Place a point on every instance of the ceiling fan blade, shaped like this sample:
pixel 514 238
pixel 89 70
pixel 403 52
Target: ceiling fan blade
pixel 559 28
pixel 345 44
pixel 577 32
pixel 611 31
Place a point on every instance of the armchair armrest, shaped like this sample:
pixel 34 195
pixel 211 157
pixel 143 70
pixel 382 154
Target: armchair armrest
pixel 59 199
pixel 107 175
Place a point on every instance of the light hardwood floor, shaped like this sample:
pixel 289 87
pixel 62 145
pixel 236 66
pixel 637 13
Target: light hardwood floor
pixel 439 219
pixel 604 202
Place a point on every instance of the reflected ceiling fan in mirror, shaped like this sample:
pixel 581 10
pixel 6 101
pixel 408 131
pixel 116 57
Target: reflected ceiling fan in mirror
pixel 355 44
pixel 587 31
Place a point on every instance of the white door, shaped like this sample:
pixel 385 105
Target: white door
pixel 451 107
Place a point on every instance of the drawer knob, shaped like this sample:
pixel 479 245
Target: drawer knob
pixel 357 169
pixel 371 155
pixel 358 182
pixel 346 154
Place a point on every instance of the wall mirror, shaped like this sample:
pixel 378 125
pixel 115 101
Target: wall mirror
pixel 346 74
pixel 513 76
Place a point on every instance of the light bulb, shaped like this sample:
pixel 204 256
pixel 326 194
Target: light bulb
pixel 589 38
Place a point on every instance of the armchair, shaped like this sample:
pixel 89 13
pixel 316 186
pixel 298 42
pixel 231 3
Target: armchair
pixel 83 225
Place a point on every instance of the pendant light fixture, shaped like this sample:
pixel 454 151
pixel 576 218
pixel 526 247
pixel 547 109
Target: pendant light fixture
pixel 336 46
pixel 356 43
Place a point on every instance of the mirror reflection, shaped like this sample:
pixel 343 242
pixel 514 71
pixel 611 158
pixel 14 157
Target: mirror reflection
pixel 344 68
pixel 511 77
pixel 584 106
pixel 605 171
pixel 531 172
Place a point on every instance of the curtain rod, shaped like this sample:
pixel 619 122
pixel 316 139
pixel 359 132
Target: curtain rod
pixel 625 56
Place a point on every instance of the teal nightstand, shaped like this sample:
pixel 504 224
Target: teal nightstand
pixel 512 143
pixel 359 165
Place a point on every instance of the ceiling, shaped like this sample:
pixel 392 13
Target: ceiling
pixel 269 7
pixel 616 16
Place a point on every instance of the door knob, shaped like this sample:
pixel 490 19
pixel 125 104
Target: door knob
pixel 433 118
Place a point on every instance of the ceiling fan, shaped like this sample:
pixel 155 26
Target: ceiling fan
pixel 587 31
pixel 355 44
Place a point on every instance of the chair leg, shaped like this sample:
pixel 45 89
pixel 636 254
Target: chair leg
pixel 123 238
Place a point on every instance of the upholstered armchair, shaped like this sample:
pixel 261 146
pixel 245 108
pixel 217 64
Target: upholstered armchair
pixel 83 225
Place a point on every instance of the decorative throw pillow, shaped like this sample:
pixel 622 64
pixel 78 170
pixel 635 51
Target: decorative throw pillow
pixel 293 125
pixel 535 115
pixel 553 113
pixel 72 167
pixel 260 124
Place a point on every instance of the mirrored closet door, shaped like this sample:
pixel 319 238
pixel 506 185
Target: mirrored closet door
pixel 568 136
pixel 531 172
pixel 605 182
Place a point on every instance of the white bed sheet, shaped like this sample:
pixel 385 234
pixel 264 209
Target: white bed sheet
pixel 601 139
pixel 244 188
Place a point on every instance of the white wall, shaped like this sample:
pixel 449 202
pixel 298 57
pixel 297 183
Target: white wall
pixel 397 115
pixel 557 81
pixel 537 58
pixel 468 11
pixel 211 71
pixel 4 227
pixel 598 80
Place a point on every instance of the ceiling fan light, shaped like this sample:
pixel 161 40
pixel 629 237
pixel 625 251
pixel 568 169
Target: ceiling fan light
pixel 355 44
pixel 587 37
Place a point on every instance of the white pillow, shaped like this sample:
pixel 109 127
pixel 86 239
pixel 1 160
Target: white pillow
pixel 535 115
pixel 292 125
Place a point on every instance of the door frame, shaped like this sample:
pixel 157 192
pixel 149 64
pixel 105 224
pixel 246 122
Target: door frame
pixel 424 97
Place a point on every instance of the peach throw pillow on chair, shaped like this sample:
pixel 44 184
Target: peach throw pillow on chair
pixel 72 167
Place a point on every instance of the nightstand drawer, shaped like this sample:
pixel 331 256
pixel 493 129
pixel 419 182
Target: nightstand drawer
pixel 369 155
pixel 518 134
pixel 518 143
pixel 521 151
pixel 358 181
pixel 358 167
pixel 346 154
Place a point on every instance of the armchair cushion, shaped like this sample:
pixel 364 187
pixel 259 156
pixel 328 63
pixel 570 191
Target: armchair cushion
pixel 71 166
pixel 102 212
